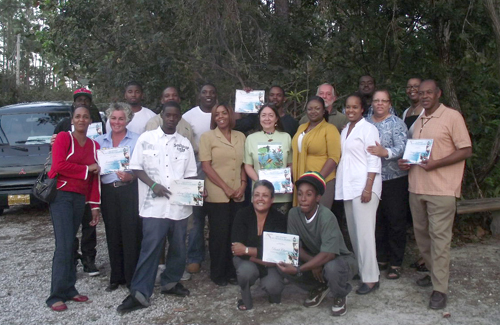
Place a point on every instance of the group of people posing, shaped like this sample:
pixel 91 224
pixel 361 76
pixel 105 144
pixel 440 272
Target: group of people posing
pixel 350 161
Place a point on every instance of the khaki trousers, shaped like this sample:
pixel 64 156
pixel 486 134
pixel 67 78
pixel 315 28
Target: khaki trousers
pixel 433 218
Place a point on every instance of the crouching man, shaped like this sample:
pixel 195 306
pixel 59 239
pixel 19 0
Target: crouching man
pixel 160 157
pixel 326 265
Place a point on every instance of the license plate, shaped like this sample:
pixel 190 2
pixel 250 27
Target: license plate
pixel 20 199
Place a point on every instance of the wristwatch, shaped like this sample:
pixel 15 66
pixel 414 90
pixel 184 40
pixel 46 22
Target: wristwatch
pixel 298 271
pixel 246 250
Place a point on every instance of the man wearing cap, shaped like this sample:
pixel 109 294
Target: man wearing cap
pixel 326 265
pixel 83 97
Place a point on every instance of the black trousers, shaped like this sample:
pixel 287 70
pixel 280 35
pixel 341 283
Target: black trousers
pixel 220 221
pixel 89 236
pixel 120 212
pixel 390 229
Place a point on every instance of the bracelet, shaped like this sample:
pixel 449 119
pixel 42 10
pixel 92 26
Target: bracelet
pixel 367 191
pixel 153 186
pixel 246 250
pixel 370 178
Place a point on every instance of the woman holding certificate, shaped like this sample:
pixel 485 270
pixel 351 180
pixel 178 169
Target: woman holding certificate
pixel 316 147
pixel 221 154
pixel 270 148
pixel 248 227
pixel 390 230
pixel 359 184
pixel 74 163
pixel 120 210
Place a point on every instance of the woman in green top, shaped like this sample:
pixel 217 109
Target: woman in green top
pixel 271 148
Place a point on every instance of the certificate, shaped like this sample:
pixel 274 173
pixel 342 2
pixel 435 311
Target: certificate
pixel 280 178
pixel 249 102
pixel 94 130
pixel 187 192
pixel 280 247
pixel 417 149
pixel 113 159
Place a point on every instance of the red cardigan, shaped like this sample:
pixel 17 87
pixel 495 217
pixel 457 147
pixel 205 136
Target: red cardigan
pixel 70 164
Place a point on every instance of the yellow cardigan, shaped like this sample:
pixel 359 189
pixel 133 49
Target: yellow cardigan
pixel 318 145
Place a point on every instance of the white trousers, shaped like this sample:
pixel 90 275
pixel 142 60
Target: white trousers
pixel 361 219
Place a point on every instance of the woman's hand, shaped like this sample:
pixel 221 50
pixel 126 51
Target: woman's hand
pixel 238 249
pixel 94 168
pixel 366 196
pixel 378 150
pixel 229 192
pixel 96 216
pixel 238 194
pixel 124 176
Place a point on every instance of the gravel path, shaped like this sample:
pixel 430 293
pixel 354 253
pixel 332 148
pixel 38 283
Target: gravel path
pixel 27 244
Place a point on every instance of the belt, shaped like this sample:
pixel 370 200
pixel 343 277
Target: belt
pixel 119 184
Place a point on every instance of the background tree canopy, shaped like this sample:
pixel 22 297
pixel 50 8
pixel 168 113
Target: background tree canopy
pixel 297 44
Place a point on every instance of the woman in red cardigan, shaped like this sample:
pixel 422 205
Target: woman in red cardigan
pixel 74 162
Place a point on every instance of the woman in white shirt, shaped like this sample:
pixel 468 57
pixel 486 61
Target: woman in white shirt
pixel 359 184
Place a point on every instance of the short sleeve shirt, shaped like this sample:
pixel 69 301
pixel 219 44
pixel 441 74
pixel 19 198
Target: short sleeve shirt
pixel 447 128
pixel 320 235
pixel 264 154
pixel 164 158
pixel 226 159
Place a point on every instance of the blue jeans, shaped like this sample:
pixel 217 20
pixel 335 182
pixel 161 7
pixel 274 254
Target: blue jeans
pixel 154 231
pixel 66 212
pixel 196 240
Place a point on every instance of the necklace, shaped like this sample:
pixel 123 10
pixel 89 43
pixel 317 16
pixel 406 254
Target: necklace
pixel 269 136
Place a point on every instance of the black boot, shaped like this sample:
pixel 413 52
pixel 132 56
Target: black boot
pixel 89 266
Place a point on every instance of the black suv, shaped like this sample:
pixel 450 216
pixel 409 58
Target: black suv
pixel 25 133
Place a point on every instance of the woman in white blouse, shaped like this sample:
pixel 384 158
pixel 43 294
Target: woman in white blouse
pixel 359 184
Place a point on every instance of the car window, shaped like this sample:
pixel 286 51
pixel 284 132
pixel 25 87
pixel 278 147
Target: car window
pixel 28 129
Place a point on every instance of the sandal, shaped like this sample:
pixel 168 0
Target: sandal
pixel 394 273
pixel 241 305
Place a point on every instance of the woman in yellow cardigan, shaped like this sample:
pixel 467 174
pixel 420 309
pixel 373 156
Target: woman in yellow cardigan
pixel 316 147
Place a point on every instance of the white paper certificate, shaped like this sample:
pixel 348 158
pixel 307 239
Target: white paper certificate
pixel 280 178
pixel 94 130
pixel 113 159
pixel 249 102
pixel 278 247
pixel 417 149
pixel 187 192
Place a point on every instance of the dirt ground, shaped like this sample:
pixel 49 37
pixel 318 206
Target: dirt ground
pixel 27 245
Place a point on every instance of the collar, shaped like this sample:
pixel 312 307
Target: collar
pixel 333 112
pixel 159 133
pixel 437 113
pixel 234 136
pixel 107 136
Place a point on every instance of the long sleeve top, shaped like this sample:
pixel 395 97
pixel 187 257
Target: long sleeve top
pixel 70 163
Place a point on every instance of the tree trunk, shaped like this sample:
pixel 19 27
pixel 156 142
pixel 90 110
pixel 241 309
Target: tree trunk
pixel 491 8
pixel 281 7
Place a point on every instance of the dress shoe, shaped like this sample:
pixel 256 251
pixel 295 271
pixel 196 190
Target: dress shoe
pixel 232 281
pixel 177 290
pixel 129 304
pixel 438 300
pixel 194 268
pixel 61 307
pixel 426 281
pixel 80 298
pixel 365 289
pixel 112 287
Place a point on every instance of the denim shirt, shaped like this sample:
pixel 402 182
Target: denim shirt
pixel 105 141
pixel 393 136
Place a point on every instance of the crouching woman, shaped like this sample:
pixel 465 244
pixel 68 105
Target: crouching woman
pixel 247 241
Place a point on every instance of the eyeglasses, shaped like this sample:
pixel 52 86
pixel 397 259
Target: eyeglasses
pixel 385 101
pixel 412 87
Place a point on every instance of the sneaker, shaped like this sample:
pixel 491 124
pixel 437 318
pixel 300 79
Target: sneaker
pixel 316 296
pixel 186 276
pixel 161 268
pixel 339 307
pixel 89 266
